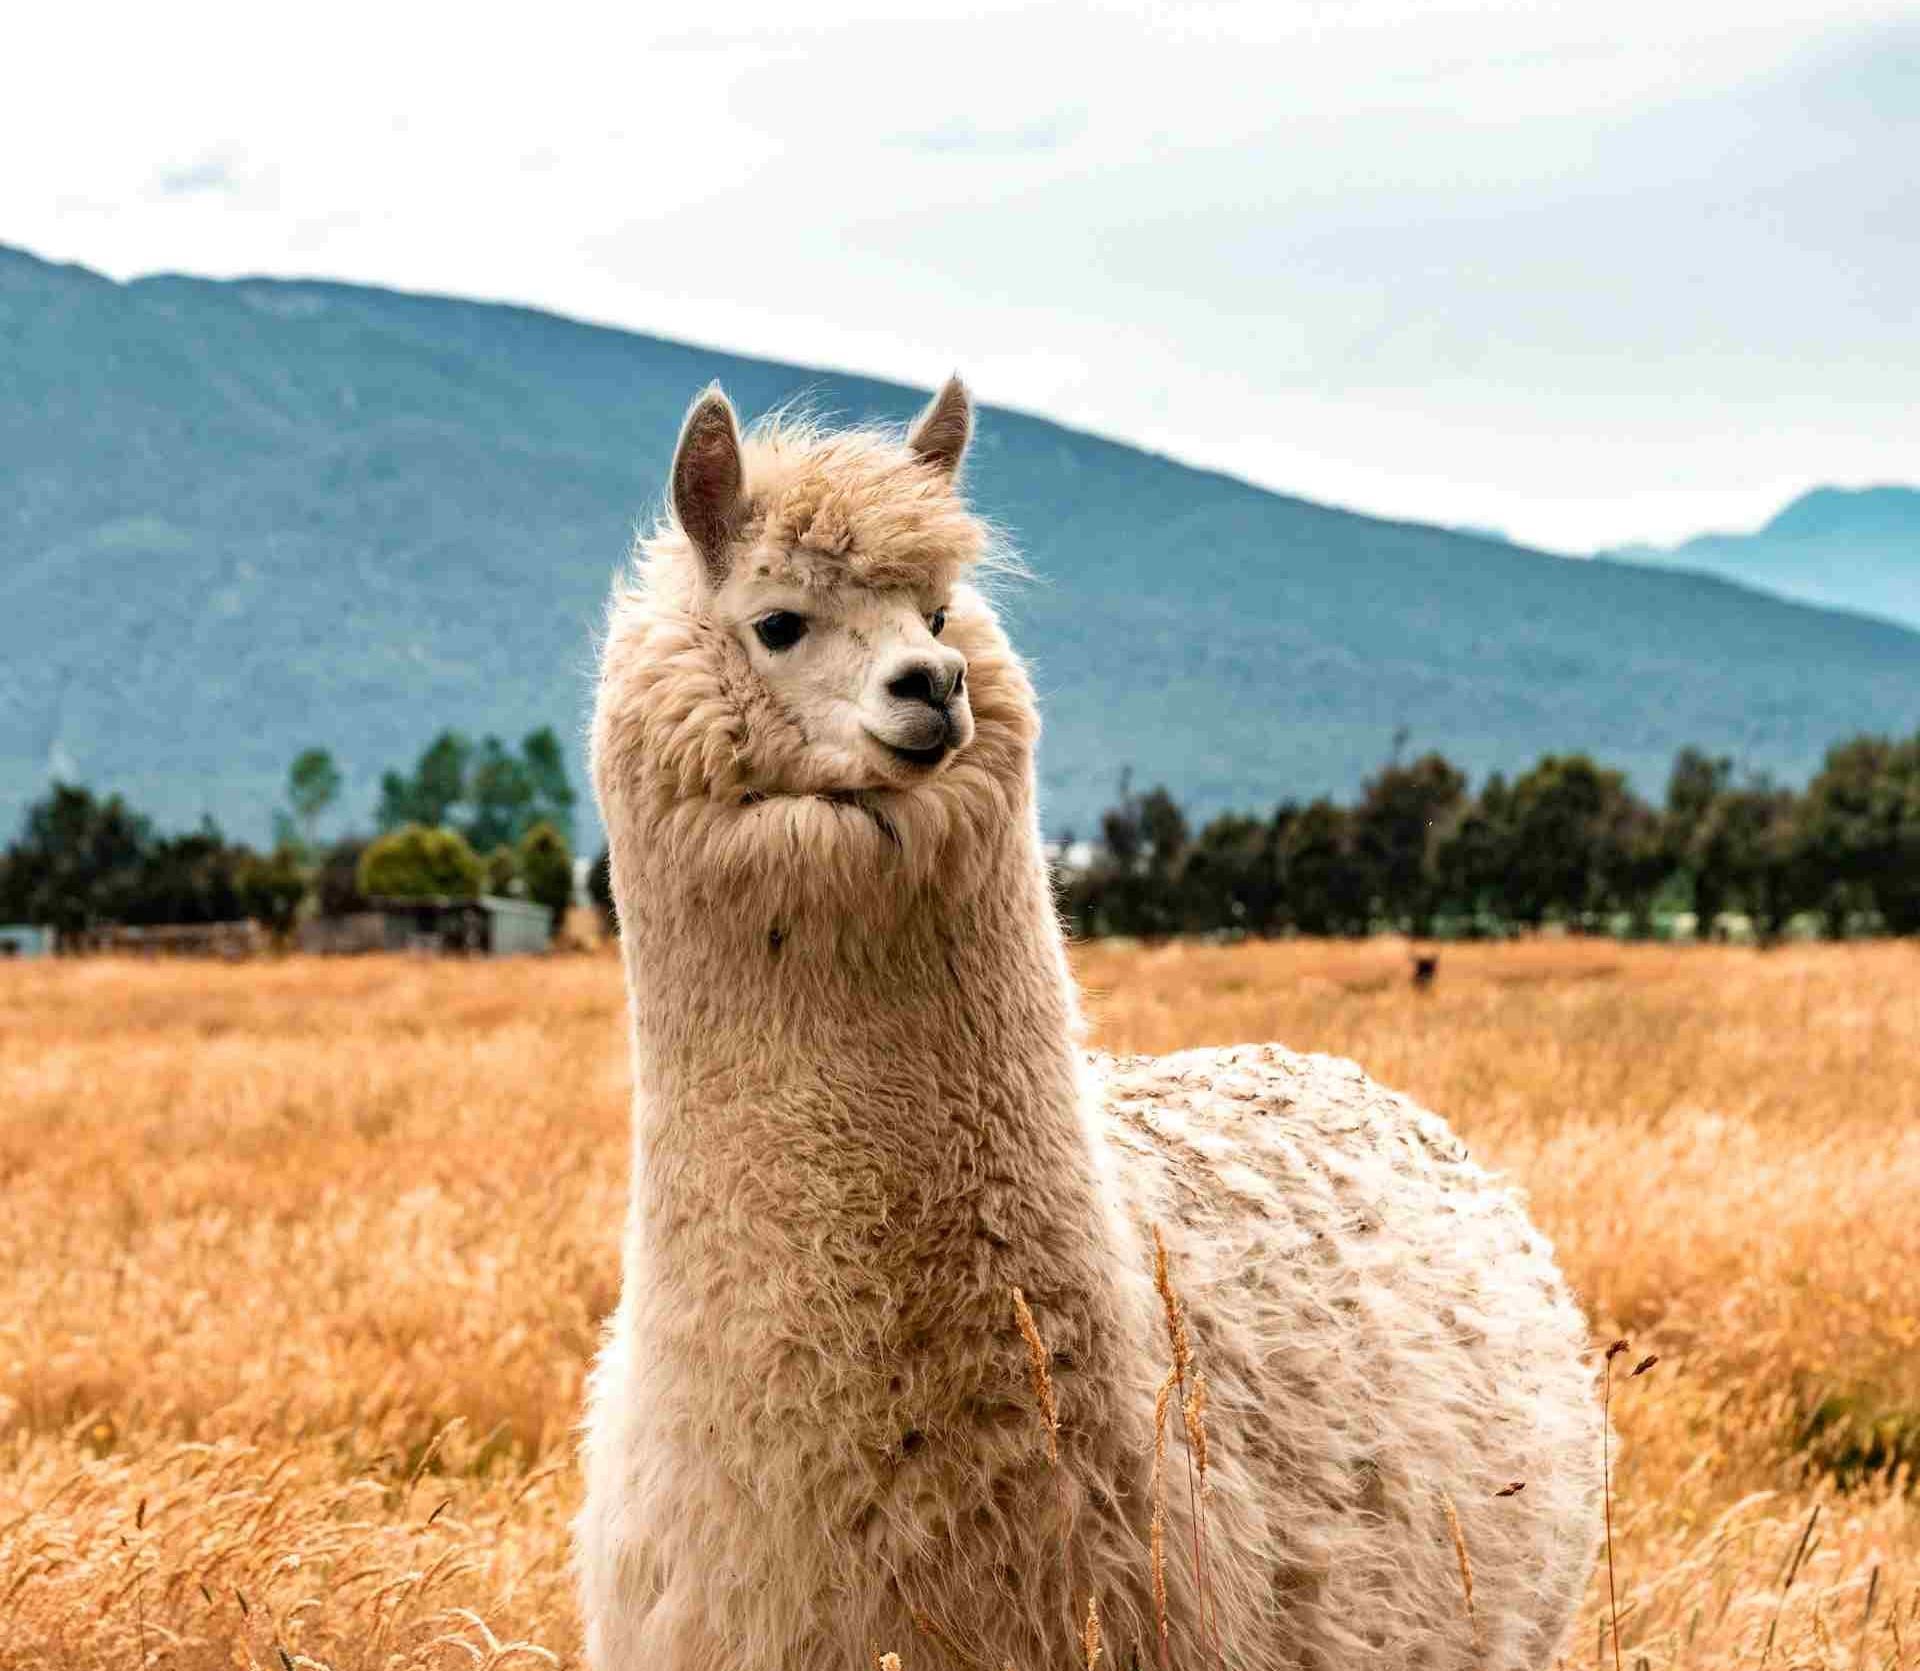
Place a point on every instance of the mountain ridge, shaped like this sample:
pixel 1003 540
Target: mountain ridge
pixel 1851 548
pixel 239 517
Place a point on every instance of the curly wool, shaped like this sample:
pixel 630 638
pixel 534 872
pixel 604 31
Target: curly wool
pixel 862 1117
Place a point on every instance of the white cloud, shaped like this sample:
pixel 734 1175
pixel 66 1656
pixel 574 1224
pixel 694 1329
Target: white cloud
pixel 1580 274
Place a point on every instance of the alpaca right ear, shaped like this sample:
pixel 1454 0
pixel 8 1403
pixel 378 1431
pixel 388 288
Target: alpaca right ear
pixel 945 425
pixel 704 489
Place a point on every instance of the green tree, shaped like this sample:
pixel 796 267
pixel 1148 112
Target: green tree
pixel 500 797
pixel 336 883
pixel 1579 840
pixel 313 785
pixel 1320 881
pixel 78 860
pixel 1694 838
pixel 1164 827
pixel 437 785
pixel 191 878
pixel 1863 826
pixel 1120 832
pixel 503 871
pixel 272 888
pixel 1133 887
pixel 546 862
pixel 1397 828
pixel 1472 855
pixel 1759 835
pixel 1628 858
pixel 546 765
pixel 415 862
pixel 1228 878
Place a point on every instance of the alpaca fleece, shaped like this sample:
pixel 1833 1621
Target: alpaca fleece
pixel 862 1116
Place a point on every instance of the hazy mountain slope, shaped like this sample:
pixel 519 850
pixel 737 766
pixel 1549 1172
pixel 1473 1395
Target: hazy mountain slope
pixel 236 519
pixel 1848 548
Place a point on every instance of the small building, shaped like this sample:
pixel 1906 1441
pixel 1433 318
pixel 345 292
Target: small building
pixel 25 940
pixel 515 926
pixel 490 926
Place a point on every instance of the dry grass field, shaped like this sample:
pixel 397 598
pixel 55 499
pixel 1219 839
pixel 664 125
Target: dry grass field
pixel 301 1265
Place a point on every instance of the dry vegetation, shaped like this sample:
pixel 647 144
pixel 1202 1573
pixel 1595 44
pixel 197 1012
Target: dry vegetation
pixel 300 1266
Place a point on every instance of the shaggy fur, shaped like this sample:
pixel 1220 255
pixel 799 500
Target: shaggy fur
pixel 861 1116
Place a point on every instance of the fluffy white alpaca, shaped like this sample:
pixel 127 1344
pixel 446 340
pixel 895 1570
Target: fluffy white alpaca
pixel 861 1118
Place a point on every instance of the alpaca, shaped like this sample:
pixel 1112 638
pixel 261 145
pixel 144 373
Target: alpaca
pixel 862 1118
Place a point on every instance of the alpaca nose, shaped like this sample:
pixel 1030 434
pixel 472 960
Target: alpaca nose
pixel 934 683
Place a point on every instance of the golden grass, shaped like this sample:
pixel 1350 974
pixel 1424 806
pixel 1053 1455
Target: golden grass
pixel 301 1265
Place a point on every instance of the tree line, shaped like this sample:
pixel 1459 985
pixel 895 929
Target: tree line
pixel 466 819
pixel 1566 841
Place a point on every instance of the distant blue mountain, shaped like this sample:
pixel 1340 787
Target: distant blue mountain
pixel 240 518
pixel 1847 548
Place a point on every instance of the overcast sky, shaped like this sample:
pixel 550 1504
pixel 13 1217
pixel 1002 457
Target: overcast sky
pixel 1581 273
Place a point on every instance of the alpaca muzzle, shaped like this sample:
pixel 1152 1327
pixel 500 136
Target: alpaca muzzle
pixel 923 713
pixel 918 735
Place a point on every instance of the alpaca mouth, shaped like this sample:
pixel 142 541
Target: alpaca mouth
pixel 942 738
pixel 923 758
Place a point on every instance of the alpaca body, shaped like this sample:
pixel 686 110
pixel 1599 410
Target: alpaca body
pixel 1384 1336
pixel 862 1118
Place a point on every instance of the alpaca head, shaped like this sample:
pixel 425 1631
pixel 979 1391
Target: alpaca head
pixel 801 653
pixel 833 568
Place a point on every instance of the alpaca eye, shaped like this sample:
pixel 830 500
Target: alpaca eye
pixel 781 630
pixel 936 622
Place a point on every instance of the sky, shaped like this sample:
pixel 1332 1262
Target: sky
pixel 1581 274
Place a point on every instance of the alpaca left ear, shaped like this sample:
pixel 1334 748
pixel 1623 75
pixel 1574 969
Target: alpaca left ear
pixel 705 485
pixel 945 425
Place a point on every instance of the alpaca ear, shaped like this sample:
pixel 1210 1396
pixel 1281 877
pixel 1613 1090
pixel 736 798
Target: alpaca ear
pixel 705 487
pixel 941 433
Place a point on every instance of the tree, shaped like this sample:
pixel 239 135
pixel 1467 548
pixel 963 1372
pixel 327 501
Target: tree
pixel 1863 825
pixel 438 785
pixel 1228 878
pixel 1120 831
pixel 500 796
pixel 1396 830
pixel 547 773
pixel 1758 833
pixel 547 864
pixel 1132 888
pixel 415 862
pixel 503 871
pixel 192 878
pixel 1471 855
pixel 1629 857
pixel 492 794
pixel 336 884
pixel 1579 841
pixel 1163 826
pixel 313 785
pixel 1319 881
pixel 272 888
pixel 78 860
pixel 1691 834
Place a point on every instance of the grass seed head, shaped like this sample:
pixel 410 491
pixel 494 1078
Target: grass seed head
pixel 1039 1374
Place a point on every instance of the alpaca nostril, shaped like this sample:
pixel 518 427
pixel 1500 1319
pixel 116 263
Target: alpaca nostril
pixel 920 684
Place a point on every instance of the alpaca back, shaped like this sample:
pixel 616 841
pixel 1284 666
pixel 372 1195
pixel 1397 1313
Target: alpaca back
pixel 1387 1345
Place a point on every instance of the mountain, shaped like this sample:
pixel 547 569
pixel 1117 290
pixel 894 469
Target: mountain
pixel 1847 548
pixel 240 518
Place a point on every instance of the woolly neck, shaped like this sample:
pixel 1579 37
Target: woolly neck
pixel 857 991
